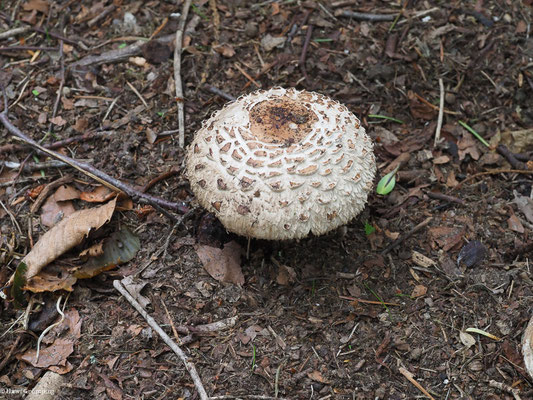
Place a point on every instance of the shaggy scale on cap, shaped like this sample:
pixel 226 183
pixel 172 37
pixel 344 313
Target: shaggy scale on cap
pixel 282 163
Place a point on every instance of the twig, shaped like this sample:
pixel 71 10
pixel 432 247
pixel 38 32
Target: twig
pixel 247 75
pixel 14 32
pixel 505 388
pixel 55 35
pixel 402 238
pixel 94 173
pixel 441 113
pixel 22 48
pixel 411 379
pixel 368 301
pixel 177 72
pixel 301 63
pixel 137 94
pixel 445 197
pixel 175 348
pixel 365 16
pixel 492 172
pixel 220 93
pixel 46 191
pixel 8 356
pixel 433 106
pixel 118 55
pixel 61 84
pixel 60 143
pixel 34 166
pixel 515 163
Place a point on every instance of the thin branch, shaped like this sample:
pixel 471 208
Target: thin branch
pixel 175 348
pixel 92 172
pixel 365 16
pixel 402 238
pixel 178 47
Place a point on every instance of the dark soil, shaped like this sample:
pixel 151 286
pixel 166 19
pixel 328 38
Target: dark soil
pixel 312 322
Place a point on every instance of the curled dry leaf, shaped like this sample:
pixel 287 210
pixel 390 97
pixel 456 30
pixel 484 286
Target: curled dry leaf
pixel 65 235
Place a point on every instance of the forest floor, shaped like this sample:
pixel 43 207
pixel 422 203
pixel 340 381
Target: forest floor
pixel 343 316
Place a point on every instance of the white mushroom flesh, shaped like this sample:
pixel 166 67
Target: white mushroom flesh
pixel 282 163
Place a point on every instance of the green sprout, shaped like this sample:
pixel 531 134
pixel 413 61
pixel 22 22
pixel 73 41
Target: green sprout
pixel 369 229
pixel 122 45
pixel 322 40
pixel 473 132
pixel 379 116
pixel 387 183
pixel 35 92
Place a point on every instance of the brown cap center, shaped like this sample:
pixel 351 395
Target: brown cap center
pixel 282 121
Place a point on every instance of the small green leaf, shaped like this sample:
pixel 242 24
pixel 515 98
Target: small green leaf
pixel 387 183
pixel 35 92
pixel 122 45
pixel 369 229
pixel 161 113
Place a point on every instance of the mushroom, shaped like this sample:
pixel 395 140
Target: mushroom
pixel 282 163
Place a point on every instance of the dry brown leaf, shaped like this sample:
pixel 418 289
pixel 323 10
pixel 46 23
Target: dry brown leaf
pixel 515 225
pixel 55 354
pixel 226 50
pixel 53 278
pixel 66 192
pixel 467 145
pixel 37 5
pixel 419 290
pixel 99 195
pixel 317 376
pixel 59 121
pixel 223 265
pixel 52 211
pixel 81 124
pixel 286 275
pixel 65 235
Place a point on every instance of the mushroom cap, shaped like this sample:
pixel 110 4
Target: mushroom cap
pixel 281 163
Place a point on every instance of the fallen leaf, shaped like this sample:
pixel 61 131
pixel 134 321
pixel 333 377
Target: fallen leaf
pixel 222 264
pixel 419 290
pixel 468 145
pixel 99 195
pixel 53 211
pixel 81 124
pixel 226 50
pixel 472 253
pixel 66 192
pixel 286 275
pixel 421 260
pixel 269 42
pixel 134 287
pixel 66 234
pixel 515 225
pixel 524 204
pixel 317 376
pixel 59 121
pixel 37 5
pixel 467 339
